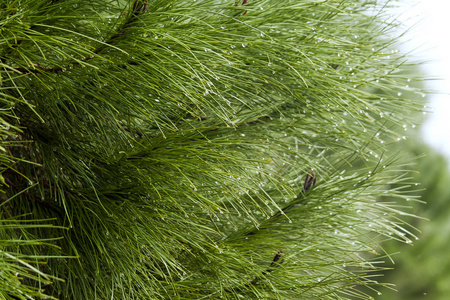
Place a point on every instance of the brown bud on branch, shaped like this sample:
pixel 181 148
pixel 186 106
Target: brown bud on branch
pixel 139 7
pixel 275 260
pixel 310 181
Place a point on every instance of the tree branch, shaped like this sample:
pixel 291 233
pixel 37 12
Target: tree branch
pixel 310 182
pixel 276 262
pixel 139 8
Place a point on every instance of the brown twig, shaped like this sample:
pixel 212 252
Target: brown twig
pixel 34 198
pixel 243 3
pixel 310 182
pixel 276 262
pixel 139 7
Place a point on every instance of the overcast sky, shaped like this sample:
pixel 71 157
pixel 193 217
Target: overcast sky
pixel 430 37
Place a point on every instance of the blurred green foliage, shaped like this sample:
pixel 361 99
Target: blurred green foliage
pixel 422 270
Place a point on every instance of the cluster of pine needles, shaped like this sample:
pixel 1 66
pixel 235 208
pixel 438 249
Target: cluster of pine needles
pixel 199 149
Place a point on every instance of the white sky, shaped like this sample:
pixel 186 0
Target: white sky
pixel 430 36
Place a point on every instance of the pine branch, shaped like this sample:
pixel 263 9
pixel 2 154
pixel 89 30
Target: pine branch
pixel 274 264
pixel 38 200
pixel 139 7
pixel 243 3
pixel 161 128
pixel 310 182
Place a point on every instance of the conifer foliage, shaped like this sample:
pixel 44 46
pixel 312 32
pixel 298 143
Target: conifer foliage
pixel 197 149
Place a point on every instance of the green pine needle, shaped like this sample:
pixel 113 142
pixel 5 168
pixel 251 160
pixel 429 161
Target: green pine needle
pixel 158 149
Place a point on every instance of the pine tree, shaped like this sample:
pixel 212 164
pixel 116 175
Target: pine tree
pixel 198 149
pixel 418 273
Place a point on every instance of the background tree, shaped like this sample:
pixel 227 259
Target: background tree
pixel 417 271
pixel 422 271
pixel 198 149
